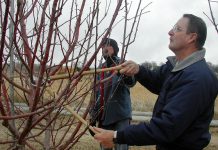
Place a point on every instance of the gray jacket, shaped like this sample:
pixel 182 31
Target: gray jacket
pixel 113 102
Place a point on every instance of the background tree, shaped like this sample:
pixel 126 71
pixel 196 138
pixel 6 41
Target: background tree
pixel 213 21
pixel 48 47
pixel 211 16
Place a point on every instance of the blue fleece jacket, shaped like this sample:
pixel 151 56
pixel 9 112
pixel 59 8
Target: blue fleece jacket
pixel 184 109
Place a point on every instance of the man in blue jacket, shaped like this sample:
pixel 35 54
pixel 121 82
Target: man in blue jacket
pixel 187 90
pixel 112 109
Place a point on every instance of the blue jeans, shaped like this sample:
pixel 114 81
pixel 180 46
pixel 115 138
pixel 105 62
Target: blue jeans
pixel 118 126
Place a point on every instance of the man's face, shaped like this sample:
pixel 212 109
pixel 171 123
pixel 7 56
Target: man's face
pixel 107 50
pixel 179 39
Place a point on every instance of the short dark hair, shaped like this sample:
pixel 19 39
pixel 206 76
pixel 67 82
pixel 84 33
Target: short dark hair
pixel 113 43
pixel 197 25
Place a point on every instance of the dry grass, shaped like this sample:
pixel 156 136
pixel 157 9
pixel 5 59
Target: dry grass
pixel 142 100
pixel 87 142
pixel 216 109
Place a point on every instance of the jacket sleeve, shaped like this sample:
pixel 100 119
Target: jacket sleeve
pixel 152 79
pixel 185 102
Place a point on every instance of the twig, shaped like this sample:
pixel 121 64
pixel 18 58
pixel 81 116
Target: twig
pixel 65 76
pixel 79 118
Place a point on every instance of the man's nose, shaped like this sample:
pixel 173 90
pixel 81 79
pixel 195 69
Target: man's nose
pixel 171 32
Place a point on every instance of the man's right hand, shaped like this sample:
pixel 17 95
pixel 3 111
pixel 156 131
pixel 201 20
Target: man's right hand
pixel 129 68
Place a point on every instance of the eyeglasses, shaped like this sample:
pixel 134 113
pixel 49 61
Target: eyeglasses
pixel 176 28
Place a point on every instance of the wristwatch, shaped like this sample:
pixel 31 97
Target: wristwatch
pixel 115 137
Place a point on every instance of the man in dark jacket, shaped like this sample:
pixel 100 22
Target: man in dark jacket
pixel 112 109
pixel 187 90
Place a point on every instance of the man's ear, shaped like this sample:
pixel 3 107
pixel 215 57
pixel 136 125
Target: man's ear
pixel 193 37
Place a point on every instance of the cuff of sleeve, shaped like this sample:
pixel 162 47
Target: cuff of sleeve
pixel 139 74
pixel 115 134
pixel 120 137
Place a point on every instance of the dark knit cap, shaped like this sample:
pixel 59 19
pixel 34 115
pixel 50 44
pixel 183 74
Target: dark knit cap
pixel 113 43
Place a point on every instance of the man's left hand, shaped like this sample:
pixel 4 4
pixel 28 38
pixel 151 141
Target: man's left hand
pixel 104 137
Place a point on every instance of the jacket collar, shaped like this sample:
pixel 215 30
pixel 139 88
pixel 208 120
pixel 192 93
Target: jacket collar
pixel 191 59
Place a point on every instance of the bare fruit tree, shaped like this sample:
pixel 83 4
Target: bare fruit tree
pixel 47 50
pixel 212 17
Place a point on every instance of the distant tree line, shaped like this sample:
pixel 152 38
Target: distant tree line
pixel 150 65
pixel 213 67
pixel 153 65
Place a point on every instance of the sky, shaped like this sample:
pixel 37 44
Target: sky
pixel 152 39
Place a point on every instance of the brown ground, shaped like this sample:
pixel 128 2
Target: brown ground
pixel 142 100
pixel 88 143
pixel 91 144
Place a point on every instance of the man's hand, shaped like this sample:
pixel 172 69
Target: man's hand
pixel 130 68
pixel 104 137
pixel 93 124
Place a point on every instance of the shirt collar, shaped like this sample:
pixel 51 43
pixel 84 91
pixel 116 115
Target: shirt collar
pixel 191 59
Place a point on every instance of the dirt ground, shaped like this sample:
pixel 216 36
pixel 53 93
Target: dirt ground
pixel 212 146
pixel 87 142
pixel 214 140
